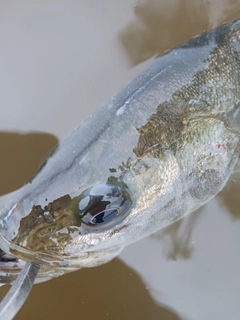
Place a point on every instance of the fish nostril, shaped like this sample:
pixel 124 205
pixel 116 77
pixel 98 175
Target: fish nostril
pixel 104 203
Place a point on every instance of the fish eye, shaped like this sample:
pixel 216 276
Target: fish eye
pixel 104 204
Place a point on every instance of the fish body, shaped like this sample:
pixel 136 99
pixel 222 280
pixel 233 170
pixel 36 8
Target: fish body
pixel 157 151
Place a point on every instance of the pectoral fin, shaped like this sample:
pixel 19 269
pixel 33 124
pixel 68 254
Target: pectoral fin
pixel 237 166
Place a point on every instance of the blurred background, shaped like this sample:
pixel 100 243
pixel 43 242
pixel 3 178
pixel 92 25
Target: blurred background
pixel 59 61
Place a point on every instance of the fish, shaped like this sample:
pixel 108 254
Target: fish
pixel 155 152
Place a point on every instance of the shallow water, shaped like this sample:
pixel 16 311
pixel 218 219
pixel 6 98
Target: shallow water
pixel 59 62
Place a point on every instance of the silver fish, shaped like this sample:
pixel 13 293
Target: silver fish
pixel 157 151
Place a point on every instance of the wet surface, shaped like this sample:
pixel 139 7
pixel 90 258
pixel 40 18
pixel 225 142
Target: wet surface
pixel 59 63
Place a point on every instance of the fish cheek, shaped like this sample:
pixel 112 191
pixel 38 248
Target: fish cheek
pixel 48 229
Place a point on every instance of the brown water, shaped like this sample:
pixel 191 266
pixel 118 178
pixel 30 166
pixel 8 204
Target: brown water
pixel 59 62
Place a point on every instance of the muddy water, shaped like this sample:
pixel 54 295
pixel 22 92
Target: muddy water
pixel 59 62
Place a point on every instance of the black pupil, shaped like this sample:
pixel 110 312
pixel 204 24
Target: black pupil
pixel 103 203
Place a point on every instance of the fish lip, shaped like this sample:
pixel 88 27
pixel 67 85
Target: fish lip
pixel 9 263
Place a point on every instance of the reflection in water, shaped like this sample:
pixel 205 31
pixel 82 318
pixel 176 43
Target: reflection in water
pixel 112 291
pixel 176 238
pixel 159 24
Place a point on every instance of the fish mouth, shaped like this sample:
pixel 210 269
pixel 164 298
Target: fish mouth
pixel 10 267
pixel 9 262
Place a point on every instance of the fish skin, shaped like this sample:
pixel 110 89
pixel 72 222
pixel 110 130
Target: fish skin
pixel 171 138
